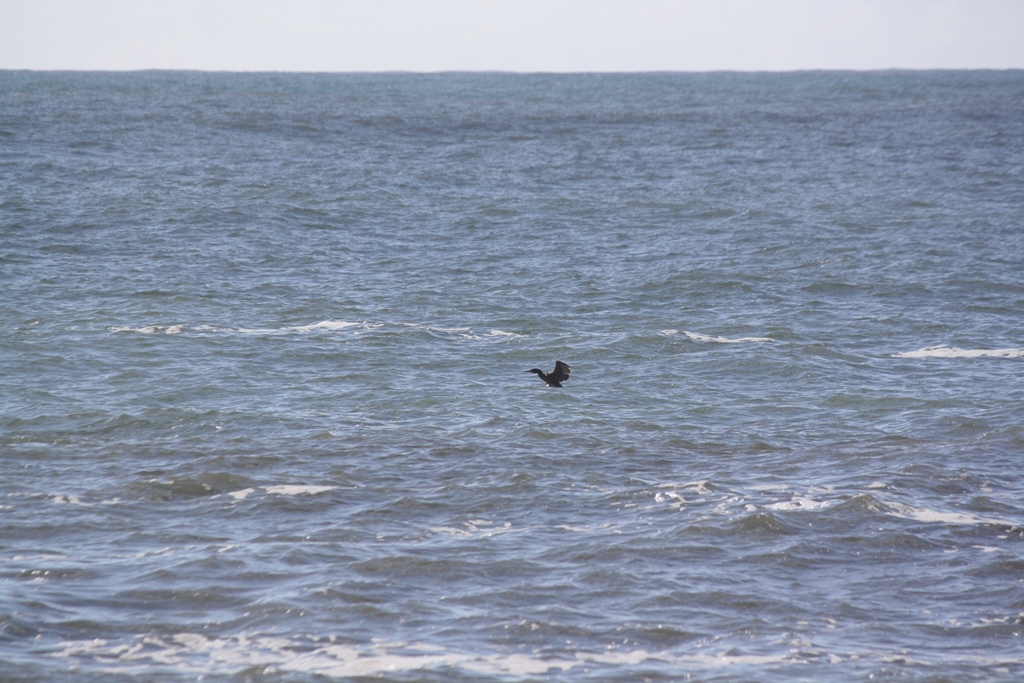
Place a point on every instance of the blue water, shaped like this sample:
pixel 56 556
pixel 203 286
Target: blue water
pixel 265 414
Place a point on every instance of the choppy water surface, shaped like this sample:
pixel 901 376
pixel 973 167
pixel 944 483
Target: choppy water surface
pixel 265 413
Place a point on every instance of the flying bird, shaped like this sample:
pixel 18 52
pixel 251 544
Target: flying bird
pixel 556 376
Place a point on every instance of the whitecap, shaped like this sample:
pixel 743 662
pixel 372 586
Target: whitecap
pixel 433 328
pixel 233 330
pixel 451 531
pixel 296 490
pixel 151 329
pixel 798 504
pixel 674 500
pixel 730 659
pixel 146 329
pixel 70 499
pixel 251 330
pixel 944 351
pixel 702 487
pixel 323 325
pixel 332 325
pixel 42 557
pixel 197 653
pixel 493 335
pixel 697 336
pixel 473 529
pixel 769 487
pixel 925 515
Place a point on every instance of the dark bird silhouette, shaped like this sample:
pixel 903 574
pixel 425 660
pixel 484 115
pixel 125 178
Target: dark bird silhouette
pixel 556 376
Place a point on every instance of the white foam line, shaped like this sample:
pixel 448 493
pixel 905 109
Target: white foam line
pixel 473 529
pixel 242 494
pixel 332 325
pixel 151 329
pixel 70 499
pixel 295 490
pixel 493 335
pixel 322 326
pixel 924 515
pixel 201 654
pixel 799 504
pixel 955 352
pixel 195 653
pixel 42 557
pixel 326 325
pixel 280 490
pixel 432 328
pixel 696 336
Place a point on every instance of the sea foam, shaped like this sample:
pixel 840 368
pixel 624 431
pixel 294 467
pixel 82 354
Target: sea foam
pixel 697 336
pixel 955 352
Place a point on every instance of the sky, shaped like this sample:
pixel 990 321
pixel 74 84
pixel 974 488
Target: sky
pixel 511 35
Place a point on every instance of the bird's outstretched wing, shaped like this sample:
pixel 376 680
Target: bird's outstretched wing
pixel 560 373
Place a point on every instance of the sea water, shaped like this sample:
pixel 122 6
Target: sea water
pixel 266 414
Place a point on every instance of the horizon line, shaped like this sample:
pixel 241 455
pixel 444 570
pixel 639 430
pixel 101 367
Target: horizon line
pixel 552 72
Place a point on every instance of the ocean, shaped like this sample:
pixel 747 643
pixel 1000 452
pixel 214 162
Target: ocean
pixel 266 414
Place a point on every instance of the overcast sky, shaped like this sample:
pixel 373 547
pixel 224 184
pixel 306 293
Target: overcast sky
pixel 511 35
